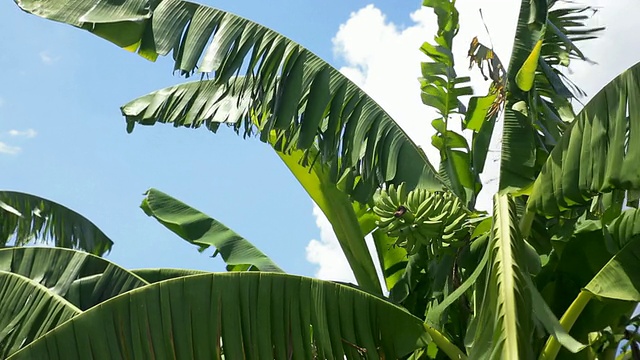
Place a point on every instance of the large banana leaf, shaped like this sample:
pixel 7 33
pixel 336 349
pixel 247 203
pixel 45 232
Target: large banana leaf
pixel 503 326
pixel 27 311
pixel 238 315
pixel 28 218
pixel 286 88
pixel 204 231
pixel 599 153
pixel 83 279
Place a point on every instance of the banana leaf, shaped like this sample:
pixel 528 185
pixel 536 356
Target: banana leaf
pixel 27 219
pixel 236 315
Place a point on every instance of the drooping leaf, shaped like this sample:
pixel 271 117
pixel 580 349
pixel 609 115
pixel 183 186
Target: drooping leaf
pixel 28 310
pixel 279 78
pixel 83 279
pixel 483 111
pixel 204 231
pixel 27 218
pixel 236 315
pixel 624 228
pixel 598 154
pixel 353 131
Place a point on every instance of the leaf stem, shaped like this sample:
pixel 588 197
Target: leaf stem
pixel 452 351
pixel 551 348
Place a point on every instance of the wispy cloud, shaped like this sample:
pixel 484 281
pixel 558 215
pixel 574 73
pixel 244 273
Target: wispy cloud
pixel 29 133
pixel 8 149
pixel 47 58
pixel 1 101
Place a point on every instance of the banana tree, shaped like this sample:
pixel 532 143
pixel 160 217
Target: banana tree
pixel 562 241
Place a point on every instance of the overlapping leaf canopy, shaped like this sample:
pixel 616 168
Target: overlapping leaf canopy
pixel 263 83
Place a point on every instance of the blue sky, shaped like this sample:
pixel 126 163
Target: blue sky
pixel 62 88
pixel 67 85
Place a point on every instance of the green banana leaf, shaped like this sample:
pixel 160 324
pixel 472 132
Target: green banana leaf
pixel 31 219
pixel 599 153
pixel 28 310
pixel 236 315
pixel 199 229
pixel 286 88
pixel 625 227
pixel 161 274
pixel 503 326
pixel 82 279
pixel 619 279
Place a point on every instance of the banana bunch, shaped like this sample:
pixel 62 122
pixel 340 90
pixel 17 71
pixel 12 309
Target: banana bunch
pixel 437 220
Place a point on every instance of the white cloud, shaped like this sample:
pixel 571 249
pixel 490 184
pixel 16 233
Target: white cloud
pixel 29 133
pixel 14 150
pixel 47 58
pixel 383 58
pixel 8 149
pixel 327 253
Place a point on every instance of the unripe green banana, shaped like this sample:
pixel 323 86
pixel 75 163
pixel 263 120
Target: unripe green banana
pixel 435 220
